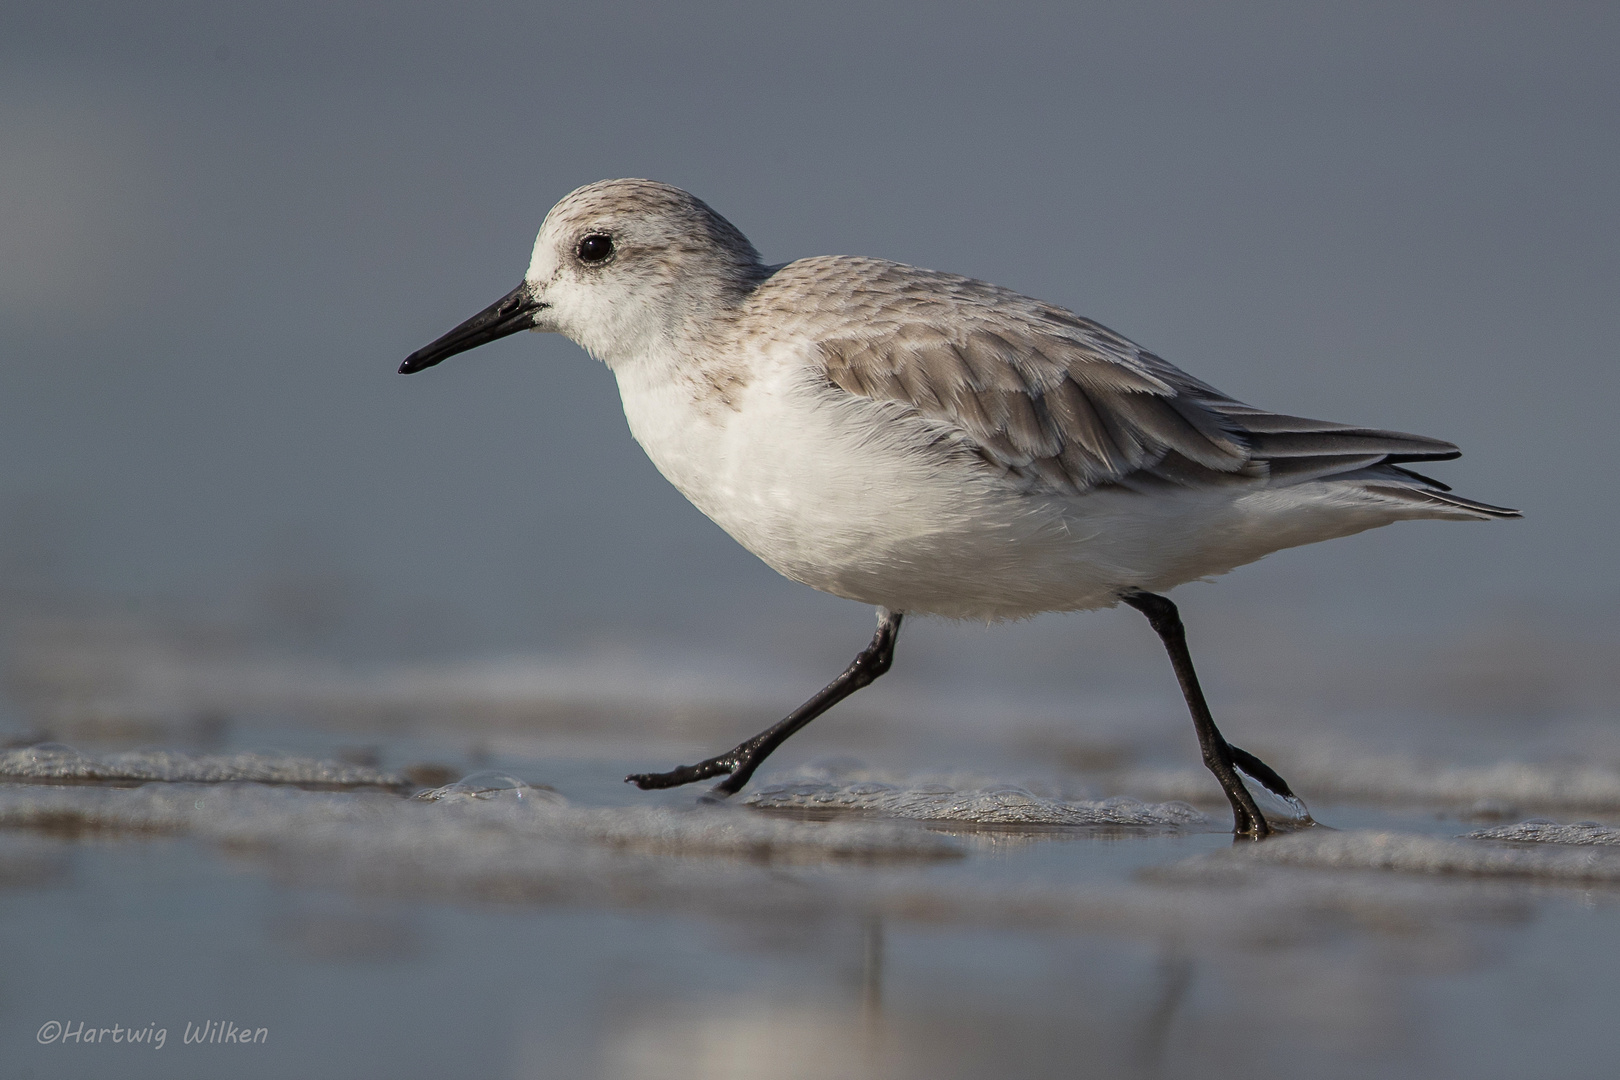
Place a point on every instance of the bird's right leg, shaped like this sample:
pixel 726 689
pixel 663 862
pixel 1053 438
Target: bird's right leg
pixel 1222 758
pixel 741 760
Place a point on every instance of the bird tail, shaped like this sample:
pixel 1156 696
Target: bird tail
pixel 1438 498
pixel 1391 481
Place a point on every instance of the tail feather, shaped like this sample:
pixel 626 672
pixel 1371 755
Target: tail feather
pixel 1412 493
pixel 1414 474
pixel 1296 450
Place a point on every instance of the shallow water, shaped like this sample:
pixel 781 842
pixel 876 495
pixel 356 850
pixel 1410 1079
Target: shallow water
pixel 532 916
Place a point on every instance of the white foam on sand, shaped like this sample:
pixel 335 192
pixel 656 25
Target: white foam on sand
pixel 1351 777
pixel 493 837
pixel 1537 831
pixel 517 844
pixel 451 860
pixel 958 798
pixel 259 815
pixel 1409 853
pixel 53 761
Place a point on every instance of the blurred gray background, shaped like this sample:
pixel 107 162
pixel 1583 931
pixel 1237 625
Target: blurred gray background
pixel 222 227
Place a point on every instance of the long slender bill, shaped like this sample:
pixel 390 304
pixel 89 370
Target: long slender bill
pixel 515 311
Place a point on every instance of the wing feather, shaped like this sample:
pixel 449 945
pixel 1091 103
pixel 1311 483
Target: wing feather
pixel 1066 404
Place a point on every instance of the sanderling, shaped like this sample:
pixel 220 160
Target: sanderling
pixel 934 444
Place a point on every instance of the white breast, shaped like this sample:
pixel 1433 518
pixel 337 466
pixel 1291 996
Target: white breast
pixel 843 494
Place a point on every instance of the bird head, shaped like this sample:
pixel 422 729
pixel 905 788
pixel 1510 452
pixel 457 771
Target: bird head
pixel 621 267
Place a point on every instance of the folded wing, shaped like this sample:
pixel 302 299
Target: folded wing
pixel 1068 405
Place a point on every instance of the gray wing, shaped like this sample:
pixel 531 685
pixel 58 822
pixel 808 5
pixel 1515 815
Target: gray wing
pixel 1068 405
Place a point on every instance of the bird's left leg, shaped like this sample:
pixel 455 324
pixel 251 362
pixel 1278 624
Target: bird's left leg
pixel 741 760
pixel 1222 758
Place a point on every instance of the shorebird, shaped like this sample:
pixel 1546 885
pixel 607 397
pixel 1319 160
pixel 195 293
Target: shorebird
pixel 932 444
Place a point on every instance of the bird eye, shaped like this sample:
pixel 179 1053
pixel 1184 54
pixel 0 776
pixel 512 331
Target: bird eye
pixel 595 247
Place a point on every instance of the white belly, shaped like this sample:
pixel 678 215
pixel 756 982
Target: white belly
pixel 833 494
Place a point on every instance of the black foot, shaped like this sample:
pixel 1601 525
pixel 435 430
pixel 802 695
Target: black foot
pixel 1248 823
pixel 686 774
pixel 1268 778
pixel 732 764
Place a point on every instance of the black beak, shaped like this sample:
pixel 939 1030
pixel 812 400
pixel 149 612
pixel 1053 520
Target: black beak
pixel 515 311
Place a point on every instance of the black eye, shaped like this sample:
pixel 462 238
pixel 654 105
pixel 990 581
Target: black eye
pixel 595 247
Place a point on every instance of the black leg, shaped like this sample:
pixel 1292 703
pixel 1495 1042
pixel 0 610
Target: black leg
pixel 741 760
pixel 1222 758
